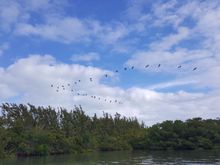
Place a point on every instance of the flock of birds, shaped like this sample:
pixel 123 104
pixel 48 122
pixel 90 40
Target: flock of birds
pixel 70 86
pixel 59 88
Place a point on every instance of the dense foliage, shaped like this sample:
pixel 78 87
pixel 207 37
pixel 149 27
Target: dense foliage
pixel 178 135
pixel 27 130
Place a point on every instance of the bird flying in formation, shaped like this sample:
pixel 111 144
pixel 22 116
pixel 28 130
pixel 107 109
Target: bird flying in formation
pixel 63 87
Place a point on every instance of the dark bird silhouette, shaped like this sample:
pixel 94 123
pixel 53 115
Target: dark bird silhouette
pixel 90 79
pixel 179 66
pixel 147 66
pixel 75 82
pixel 116 71
pixel 63 86
pixel 78 94
pixel 110 101
pixel 159 65
pixel 132 67
pixel 57 90
pixel 58 87
pixel 72 90
pixel 115 101
pixel 79 80
pixel 68 84
pixel 194 68
pixel 106 75
pixel 125 68
pixel 105 99
pixel 51 85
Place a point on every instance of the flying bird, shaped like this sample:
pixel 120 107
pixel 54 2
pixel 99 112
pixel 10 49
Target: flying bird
pixel 125 68
pixel 179 66
pixel 146 66
pixel 194 68
pixel 116 71
pixel 90 79
pixel 106 75
pixel 51 85
pixel 159 65
pixel 132 67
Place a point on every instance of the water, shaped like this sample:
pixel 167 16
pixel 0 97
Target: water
pixel 123 157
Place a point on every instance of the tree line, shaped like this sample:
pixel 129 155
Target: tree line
pixel 27 130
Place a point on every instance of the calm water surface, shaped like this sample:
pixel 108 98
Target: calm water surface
pixel 123 157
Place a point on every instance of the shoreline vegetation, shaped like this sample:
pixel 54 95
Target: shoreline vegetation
pixel 27 130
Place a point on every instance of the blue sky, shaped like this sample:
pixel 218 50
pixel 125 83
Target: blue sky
pixel 49 41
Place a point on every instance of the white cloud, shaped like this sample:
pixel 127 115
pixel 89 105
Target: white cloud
pixel 171 40
pixel 163 14
pixel 13 12
pixel 88 57
pixel 170 60
pixel 206 74
pixel 29 80
pixel 201 35
pixel 53 23
pixel 62 30
pixel 171 84
pixel 37 4
pixel 3 47
pixel 9 14
pixel 114 34
pixel 71 29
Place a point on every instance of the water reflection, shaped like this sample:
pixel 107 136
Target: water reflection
pixel 123 157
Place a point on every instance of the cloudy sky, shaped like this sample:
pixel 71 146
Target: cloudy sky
pixel 44 42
